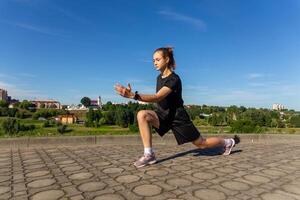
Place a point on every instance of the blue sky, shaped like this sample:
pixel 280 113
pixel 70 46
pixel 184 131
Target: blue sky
pixel 228 52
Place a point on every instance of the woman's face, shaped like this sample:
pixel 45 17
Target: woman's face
pixel 160 63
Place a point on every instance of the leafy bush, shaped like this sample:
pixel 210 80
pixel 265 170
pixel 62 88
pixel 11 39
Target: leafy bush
pixel 22 114
pixel 199 122
pixel 93 118
pixel 3 104
pixel 47 113
pixel 295 121
pixel 46 124
pixel 102 121
pixel 10 126
pixel 133 128
pixel 245 126
pixel 62 129
pixel 27 127
pixel 12 112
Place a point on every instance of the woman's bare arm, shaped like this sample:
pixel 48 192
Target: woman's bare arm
pixel 127 93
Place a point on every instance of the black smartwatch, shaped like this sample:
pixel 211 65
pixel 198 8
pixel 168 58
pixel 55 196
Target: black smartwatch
pixel 136 95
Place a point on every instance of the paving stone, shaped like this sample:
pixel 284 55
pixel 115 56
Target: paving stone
pixel 147 190
pixel 257 178
pixel 258 171
pixel 20 193
pixel 113 170
pixel 4 189
pixel 109 197
pixel 274 196
pixel 273 172
pixel 72 168
pixel 234 185
pixel 35 160
pixel 157 172
pixel 81 175
pixel 77 197
pixel 48 195
pixel 4 178
pixel 179 182
pixel 37 173
pixel 181 167
pixel 101 164
pixel 208 194
pixel 293 188
pixel 65 162
pixel 204 175
pixel 71 190
pixel 41 183
pixel 128 178
pixel 36 166
pixel 91 186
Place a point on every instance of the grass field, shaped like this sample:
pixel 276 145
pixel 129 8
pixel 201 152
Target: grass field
pixel 77 129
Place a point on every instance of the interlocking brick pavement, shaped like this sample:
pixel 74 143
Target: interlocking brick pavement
pixel 264 170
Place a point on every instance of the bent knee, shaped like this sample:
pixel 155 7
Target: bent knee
pixel 143 115
pixel 200 142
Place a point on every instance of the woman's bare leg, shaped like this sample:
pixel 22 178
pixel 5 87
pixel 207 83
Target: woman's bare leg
pixel 209 142
pixel 228 144
pixel 146 118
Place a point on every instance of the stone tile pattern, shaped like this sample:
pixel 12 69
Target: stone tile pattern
pixel 267 171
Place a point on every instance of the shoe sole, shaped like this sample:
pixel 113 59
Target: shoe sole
pixel 149 163
pixel 227 154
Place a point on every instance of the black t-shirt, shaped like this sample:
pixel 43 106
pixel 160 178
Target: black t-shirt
pixel 168 106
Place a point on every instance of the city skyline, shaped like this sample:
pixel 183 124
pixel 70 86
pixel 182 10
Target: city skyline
pixel 227 53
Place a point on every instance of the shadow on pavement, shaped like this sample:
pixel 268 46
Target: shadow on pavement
pixel 199 152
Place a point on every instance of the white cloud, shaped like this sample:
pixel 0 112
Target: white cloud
pixel 19 92
pixel 34 28
pixel 6 76
pixel 198 23
pixel 27 75
pixel 255 75
pixel 145 60
pixel 262 95
pixel 38 29
pixel 69 14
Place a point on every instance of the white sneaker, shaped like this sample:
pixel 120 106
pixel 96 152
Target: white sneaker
pixel 228 148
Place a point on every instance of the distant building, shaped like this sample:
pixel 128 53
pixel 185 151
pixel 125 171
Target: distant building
pixel 142 102
pixel 277 106
pixel 76 107
pixel 67 119
pixel 96 103
pixel 3 95
pixel 46 104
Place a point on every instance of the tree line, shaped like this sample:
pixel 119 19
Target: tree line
pixel 239 119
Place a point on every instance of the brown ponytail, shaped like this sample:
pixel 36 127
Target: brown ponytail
pixel 167 52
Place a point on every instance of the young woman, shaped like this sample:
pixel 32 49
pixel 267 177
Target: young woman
pixel 170 113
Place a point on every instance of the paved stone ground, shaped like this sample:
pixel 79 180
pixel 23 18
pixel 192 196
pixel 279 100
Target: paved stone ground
pixel 254 171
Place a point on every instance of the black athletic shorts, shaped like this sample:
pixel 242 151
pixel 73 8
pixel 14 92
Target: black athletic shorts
pixel 180 124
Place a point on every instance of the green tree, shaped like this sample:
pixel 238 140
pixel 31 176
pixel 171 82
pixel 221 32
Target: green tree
pixel 10 126
pixel 62 129
pixel 4 111
pixel 86 101
pixel 121 118
pixel 93 117
pixel 109 117
pixel 243 126
pixel 295 121
pixel 108 106
pixel 27 105
pixel 12 112
pixel 4 104
pixel 134 127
